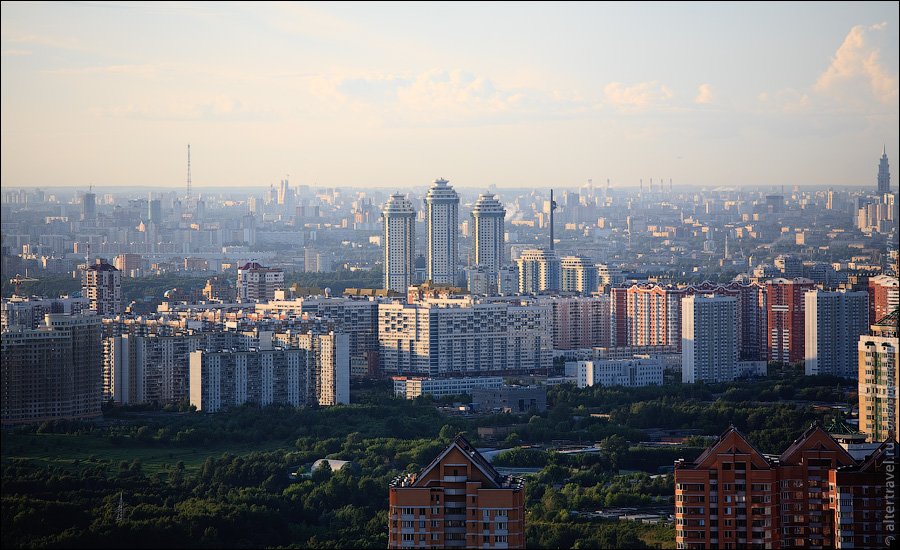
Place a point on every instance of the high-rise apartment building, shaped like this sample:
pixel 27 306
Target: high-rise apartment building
pixel 884 297
pixel 579 321
pixel 458 501
pixel 101 283
pixel 786 313
pixel 442 226
pixel 461 337
pixel 538 271
pixel 30 312
pixel 89 207
pixel 577 274
pixel 328 357
pixel 487 221
pixel 814 495
pixel 879 382
pixel 223 379
pixel 53 371
pixel 654 316
pixel 884 173
pixel 256 283
pixel 834 323
pixel 709 348
pixel 399 242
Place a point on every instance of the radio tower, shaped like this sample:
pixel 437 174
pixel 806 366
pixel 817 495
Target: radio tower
pixel 189 172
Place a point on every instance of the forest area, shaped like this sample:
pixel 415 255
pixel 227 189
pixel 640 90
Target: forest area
pixel 154 477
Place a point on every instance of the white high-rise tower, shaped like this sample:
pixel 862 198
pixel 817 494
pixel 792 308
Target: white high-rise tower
pixel 399 242
pixel 441 222
pixel 488 216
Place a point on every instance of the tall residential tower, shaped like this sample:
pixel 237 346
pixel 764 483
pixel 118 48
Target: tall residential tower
pixel 399 242
pixel 441 222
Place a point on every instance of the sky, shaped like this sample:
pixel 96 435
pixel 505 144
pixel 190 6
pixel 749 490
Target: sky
pixel 398 94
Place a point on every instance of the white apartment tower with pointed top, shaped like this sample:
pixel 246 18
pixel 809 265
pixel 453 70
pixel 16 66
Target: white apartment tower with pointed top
pixel 487 218
pixel 441 222
pixel 399 242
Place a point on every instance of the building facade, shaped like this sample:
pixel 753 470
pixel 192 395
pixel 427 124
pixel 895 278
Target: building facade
pixel 884 297
pixel 442 226
pixel 256 283
pixel 734 496
pixel 709 348
pixel 636 372
pixel 577 274
pixel 458 501
pixel 399 243
pixel 223 379
pixel 538 271
pixel 101 283
pixel 786 314
pixel 879 416
pixel 460 337
pixel 834 323
pixel 53 371
pixel 487 221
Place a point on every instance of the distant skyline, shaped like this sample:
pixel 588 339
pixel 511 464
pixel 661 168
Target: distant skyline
pixel 394 95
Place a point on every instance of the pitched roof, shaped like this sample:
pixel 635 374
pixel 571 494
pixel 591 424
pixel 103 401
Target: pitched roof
pixel 468 450
pixel 717 447
pixel 889 320
pixel 800 444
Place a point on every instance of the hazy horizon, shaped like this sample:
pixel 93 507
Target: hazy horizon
pixel 531 95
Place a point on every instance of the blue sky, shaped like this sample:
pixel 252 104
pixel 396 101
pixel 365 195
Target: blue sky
pixel 396 94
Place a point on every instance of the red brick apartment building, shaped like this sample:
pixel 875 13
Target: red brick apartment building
pixel 457 501
pixel 814 495
pixel 787 318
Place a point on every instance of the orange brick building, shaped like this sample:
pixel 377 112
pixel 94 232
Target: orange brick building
pixel 457 501
pixel 733 496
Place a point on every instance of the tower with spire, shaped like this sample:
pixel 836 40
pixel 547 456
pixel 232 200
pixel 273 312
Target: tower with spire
pixel 884 173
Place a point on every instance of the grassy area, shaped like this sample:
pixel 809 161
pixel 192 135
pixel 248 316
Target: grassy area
pixel 659 536
pixel 76 452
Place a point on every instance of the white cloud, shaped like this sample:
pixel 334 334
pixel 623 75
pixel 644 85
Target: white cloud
pixel 12 52
pixel 856 71
pixel 638 97
pixel 704 94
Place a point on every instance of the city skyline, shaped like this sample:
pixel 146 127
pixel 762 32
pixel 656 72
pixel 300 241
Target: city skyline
pixel 726 95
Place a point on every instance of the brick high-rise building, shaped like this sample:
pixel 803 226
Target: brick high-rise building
pixel 734 496
pixel 786 318
pixel 618 316
pixel 884 297
pixel 458 501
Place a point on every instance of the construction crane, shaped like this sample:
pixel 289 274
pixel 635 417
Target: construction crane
pixel 18 280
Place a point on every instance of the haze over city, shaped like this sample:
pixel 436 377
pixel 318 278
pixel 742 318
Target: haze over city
pixel 395 94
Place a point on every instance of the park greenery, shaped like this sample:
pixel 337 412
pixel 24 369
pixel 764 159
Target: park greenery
pixel 171 477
